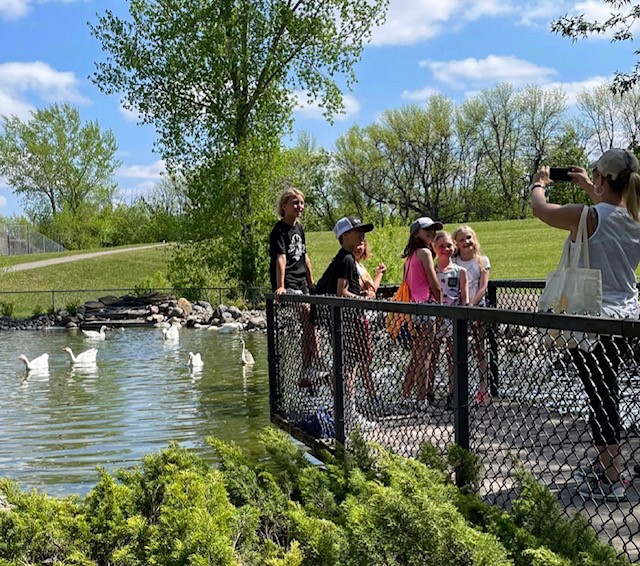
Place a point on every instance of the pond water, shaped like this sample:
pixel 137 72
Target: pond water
pixel 58 427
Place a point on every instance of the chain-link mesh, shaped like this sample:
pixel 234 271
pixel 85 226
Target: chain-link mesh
pixel 518 394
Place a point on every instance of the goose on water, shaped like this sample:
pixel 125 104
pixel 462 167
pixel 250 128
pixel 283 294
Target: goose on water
pixel 195 360
pixel 230 327
pixel 246 357
pixel 39 363
pixel 86 357
pixel 95 335
pixel 171 333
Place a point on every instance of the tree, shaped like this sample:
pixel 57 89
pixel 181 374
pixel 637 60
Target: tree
pixel 620 23
pixel 56 164
pixel 217 79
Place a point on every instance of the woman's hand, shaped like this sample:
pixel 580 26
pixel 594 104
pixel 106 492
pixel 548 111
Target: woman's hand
pixel 581 177
pixel 541 176
pixel 381 269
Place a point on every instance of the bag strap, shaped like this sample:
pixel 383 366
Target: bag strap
pixel 582 242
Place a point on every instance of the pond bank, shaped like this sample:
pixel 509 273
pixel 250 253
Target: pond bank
pixel 152 309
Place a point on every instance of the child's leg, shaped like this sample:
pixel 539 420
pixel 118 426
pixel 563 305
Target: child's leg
pixel 310 344
pixel 479 332
pixel 450 362
pixel 434 350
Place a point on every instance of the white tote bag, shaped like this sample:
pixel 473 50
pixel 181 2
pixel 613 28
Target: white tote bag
pixel 573 290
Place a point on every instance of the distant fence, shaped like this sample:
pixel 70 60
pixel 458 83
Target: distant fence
pixel 26 303
pixel 17 239
pixel 536 417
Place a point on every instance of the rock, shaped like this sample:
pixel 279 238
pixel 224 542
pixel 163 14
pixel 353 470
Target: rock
pixel 256 322
pixel 206 305
pixel 227 317
pixel 71 324
pixel 93 305
pixel 177 312
pixel 109 300
pixel 153 309
pixel 236 313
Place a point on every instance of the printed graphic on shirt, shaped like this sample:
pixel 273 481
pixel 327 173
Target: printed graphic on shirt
pixel 296 247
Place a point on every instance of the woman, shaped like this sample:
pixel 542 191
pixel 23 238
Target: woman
pixel 613 228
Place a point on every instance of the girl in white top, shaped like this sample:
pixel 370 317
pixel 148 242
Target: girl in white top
pixel 454 291
pixel 469 256
pixel 613 228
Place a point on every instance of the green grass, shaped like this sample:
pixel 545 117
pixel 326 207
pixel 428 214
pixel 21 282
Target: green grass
pixel 517 249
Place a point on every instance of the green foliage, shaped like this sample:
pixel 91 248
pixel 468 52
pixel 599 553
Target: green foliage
pixel 72 306
pixel 150 283
pixel 56 164
pixel 175 509
pixel 38 310
pixel 7 308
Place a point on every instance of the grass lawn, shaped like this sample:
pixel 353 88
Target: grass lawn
pixel 517 249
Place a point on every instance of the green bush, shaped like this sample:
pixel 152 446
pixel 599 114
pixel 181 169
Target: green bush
pixel 149 283
pixel 366 508
pixel 7 308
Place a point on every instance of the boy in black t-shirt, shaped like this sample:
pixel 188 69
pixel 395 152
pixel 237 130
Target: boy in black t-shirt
pixel 341 278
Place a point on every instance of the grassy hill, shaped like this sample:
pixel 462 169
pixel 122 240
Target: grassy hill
pixel 517 249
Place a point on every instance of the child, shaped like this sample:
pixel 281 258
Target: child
pixel 290 272
pixel 341 278
pixel 420 275
pixel 363 253
pixel 453 284
pixel 469 256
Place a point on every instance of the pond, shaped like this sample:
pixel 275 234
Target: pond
pixel 58 427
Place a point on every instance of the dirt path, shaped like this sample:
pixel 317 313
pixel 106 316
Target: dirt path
pixel 77 257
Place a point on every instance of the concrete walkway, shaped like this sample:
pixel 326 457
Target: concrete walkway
pixel 77 257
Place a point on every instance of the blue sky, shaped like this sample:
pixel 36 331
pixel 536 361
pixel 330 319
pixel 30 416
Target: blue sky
pixel 453 47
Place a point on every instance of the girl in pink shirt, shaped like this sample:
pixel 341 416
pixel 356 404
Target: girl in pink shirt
pixel 421 277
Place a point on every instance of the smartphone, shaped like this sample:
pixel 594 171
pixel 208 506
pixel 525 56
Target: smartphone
pixel 560 174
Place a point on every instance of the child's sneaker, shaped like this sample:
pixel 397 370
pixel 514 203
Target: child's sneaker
pixel 601 489
pixel 593 470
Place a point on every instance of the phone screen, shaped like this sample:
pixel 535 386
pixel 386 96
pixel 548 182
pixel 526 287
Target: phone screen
pixel 560 174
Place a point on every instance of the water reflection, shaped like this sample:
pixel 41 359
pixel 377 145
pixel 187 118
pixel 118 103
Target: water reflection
pixel 58 427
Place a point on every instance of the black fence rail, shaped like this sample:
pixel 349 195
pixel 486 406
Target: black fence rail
pixel 335 367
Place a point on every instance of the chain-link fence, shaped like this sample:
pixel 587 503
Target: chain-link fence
pixel 518 388
pixel 16 239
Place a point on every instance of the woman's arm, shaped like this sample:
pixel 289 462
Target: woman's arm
pixel 425 257
pixel 377 278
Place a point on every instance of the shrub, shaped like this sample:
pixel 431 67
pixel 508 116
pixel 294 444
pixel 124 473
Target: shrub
pixel 7 308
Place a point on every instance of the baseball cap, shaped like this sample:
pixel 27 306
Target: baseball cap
pixel 615 161
pixel 425 222
pixel 349 223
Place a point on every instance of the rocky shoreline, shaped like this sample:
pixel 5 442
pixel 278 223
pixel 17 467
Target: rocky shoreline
pixel 150 310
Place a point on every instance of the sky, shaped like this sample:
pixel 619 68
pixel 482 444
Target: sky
pixel 451 47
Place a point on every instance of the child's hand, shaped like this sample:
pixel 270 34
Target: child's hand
pixel 381 268
pixel 279 291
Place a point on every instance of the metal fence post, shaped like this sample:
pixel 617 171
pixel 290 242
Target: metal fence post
pixel 272 358
pixel 53 301
pixel 338 378
pixel 492 297
pixel 460 387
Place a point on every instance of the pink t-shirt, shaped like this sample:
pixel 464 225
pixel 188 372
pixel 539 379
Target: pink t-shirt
pixel 417 281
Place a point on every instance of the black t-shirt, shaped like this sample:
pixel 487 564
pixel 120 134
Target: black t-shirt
pixel 343 266
pixel 288 241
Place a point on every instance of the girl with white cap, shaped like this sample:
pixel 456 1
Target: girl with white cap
pixel 420 275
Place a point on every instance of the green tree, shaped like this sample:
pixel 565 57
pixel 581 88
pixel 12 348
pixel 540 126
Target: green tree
pixel 217 81
pixel 56 164
pixel 620 25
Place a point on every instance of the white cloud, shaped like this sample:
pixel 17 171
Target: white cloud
pixel 3 202
pixel 18 80
pixel 129 114
pixel 572 89
pixel 471 72
pixel 420 95
pixel 412 21
pixel 308 108
pixel 13 9
pixel 152 172
pixel 16 9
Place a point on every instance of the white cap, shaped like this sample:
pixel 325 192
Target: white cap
pixel 614 162
pixel 349 223
pixel 424 222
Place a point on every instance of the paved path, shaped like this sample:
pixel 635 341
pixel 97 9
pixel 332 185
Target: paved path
pixel 77 257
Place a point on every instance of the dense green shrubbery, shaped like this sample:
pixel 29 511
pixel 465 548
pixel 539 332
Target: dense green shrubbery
pixel 368 508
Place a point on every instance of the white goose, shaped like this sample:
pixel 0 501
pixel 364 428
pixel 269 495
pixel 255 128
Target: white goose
pixel 95 335
pixel 87 357
pixel 171 333
pixel 195 360
pixel 230 327
pixel 37 364
pixel 246 357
